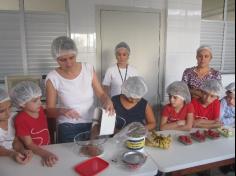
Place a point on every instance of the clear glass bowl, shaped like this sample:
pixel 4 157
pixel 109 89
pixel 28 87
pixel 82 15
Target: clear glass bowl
pixel 90 145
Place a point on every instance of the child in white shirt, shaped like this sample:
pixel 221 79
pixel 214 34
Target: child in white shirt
pixel 9 144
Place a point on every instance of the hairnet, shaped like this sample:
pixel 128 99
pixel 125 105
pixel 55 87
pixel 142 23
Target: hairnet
pixel 213 87
pixel 63 45
pixel 134 87
pixel 179 88
pixel 23 92
pixel 122 45
pixel 3 96
pixel 231 87
pixel 204 47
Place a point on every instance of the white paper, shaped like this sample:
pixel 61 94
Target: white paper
pixel 107 123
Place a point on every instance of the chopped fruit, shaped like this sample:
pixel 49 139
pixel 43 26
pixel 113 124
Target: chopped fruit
pixel 212 134
pixel 225 132
pixel 198 136
pixel 185 139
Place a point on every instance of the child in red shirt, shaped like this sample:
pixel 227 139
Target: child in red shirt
pixel 179 113
pixel 31 124
pixel 207 107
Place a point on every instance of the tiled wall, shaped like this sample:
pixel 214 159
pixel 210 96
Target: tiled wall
pixel 182 35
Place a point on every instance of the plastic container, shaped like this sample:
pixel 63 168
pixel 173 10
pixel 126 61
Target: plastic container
pixel 135 143
pixel 91 167
pixel 90 145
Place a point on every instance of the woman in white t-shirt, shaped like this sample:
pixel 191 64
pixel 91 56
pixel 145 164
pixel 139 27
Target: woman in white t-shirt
pixel 118 73
pixel 71 88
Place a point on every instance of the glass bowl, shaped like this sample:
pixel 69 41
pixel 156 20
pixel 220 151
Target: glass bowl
pixel 90 145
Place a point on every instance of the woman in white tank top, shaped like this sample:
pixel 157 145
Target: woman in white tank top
pixel 71 88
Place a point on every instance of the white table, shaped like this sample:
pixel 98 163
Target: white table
pixel 180 156
pixel 68 158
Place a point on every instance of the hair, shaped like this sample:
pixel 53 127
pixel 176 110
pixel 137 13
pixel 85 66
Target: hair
pixel 204 47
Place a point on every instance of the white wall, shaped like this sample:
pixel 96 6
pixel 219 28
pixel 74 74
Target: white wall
pixel 182 35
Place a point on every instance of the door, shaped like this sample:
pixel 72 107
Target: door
pixel 141 31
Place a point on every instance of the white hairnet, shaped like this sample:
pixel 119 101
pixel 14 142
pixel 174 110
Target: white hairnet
pixel 3 96
pixel 23 92
pixel 179 88
pixel 231 87
pixel 63 45
pixel 122 45
pixel 213 87
pixel 134 87
pixel 204 47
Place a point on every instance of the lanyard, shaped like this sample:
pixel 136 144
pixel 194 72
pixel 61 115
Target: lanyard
pixel 121 74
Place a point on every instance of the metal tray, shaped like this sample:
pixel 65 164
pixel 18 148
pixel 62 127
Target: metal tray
pixel 133 157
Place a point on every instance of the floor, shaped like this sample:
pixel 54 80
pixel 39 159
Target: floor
pixel 229 171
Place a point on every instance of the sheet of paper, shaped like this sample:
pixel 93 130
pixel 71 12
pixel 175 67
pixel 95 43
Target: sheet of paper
pixel 107 123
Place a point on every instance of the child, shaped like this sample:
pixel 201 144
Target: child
pixel 228 106
pixel 207 108
pixel 130 105
pixel 30 123
pixel 9 144
pixel 179 113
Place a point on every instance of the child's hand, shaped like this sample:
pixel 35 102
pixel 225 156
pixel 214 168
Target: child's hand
pixel 20 158
pixel 28 154
pixel 181 122
pixel 49 159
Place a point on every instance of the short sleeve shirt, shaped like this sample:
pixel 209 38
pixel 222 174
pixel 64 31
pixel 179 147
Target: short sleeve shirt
pixel 211 112
pixel 191 78
pixel 7 136
pixel 36 128
pixel 114 79
pixel 174 116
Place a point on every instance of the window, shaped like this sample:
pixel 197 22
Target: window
pixel 26 32
pixel 218 31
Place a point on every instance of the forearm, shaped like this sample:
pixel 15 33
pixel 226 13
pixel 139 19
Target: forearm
pixel 6 152
pixel 169 126
pixel 206 124
pixel 18 146
pixel 150 126
pixel 37 150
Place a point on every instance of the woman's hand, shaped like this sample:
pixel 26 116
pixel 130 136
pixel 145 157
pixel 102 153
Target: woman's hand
pixel 70 113
pixel 49 159
pixel 108 106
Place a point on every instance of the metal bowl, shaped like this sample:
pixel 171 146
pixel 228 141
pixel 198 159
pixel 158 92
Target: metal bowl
pixel 133 159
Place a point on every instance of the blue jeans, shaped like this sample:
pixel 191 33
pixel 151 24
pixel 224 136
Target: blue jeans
pixel 67 131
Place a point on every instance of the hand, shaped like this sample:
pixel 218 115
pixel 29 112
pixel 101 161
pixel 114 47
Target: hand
pixel 70 113
pixel 20 158
pixel 181 122
pixel 28 154
pixel 108 106
pixel 49 159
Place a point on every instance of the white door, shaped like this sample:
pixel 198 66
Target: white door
pixel 141 31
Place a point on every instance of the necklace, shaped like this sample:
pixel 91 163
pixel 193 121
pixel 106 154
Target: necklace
pixel 121 74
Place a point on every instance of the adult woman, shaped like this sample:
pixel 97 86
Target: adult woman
pixel 71 86
pixel 118 73
pixel 195 76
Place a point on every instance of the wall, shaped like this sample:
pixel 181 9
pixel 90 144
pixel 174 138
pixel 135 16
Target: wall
pixel 183 22
pixel 183 30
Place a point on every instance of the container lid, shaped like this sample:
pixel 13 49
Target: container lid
pixel 133 157
pixel 91 166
